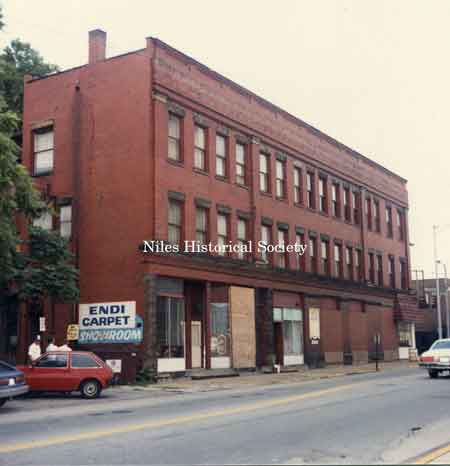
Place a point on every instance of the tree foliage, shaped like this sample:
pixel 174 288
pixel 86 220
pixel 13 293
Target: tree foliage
pixel 46 269
pixel 17 60
pixel 42 264
pixel 17 194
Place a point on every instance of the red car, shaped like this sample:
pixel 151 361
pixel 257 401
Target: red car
pixel 68 371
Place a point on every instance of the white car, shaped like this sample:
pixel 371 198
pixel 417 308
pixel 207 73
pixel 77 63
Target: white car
pixel 437 358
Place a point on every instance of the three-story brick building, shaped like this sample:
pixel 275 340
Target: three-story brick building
pixel 152 145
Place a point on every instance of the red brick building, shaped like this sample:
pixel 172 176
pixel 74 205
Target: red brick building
pixel 152 145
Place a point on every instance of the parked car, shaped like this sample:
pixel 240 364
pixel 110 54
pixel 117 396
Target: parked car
pixel 437 358
pixel 12 382
pixel 68 371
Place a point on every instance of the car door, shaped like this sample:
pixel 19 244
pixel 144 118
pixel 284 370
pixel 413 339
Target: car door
pixel 84 366
pixel 50 373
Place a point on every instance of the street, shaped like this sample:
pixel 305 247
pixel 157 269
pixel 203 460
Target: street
pixel 388 417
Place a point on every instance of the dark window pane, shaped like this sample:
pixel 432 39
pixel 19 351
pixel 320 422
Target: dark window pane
pixel 83 360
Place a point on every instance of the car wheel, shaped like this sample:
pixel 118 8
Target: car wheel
pixel 3 401
pixel 90 389
pixel 433 374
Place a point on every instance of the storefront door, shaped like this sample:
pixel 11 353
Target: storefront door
pixel 196 344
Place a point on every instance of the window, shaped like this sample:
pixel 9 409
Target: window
pixel 389 222
pixel 45 221
pixel 391 271
pixel 358 269
pixel 220 330
pixel 371 267
pixel 298 195
pixel 264 173
pixel 338 271
pixel 310 190
pixel 240 164
pixel 300 259
pixel 43 151
pixel 221 156
pixel 174 137
pixel 405 332
pixel 241 237
pixel 174 222
pixel 292 331
pixel 349 262
pixel 53 360
pixel 377 216
pixel 222 232
pixel 201 225
pixel 313 254
pixel 369 213
pixel 347 211
pixel 324 256
pixel 281 256
pixel 323 195
pixel 170 327
pixel 335 201
pixel 440 344
pixel 355 200
pixel 83 360
pixel 380 269
pixel 65 221
pixel 280 179
pixel 200 148
pixel 401 235
pixel 266 237
pixel 403 275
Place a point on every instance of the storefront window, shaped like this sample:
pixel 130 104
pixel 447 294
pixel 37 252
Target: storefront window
pixel 220 330
pixel 170 327
pixel 292 331
pixel 405 334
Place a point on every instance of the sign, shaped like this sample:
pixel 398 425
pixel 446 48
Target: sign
pixel 114 322
pixel 107 315
pixel 73 331
pixel 115 365
pixel 42 324
pixel 314 323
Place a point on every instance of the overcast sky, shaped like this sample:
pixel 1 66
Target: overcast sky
pixel 373 74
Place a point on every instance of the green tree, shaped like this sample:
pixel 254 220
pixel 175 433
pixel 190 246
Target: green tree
pixel 17 194
pixel 17 60
pixel 40 265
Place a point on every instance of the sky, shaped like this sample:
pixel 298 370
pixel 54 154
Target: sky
pixel 373 74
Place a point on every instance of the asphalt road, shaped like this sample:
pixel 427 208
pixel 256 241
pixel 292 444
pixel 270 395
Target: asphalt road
pixel 388 417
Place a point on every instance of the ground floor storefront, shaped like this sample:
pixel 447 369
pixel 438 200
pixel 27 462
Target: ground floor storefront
pixel 181 320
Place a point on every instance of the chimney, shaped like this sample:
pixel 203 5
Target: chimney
pixel 97 46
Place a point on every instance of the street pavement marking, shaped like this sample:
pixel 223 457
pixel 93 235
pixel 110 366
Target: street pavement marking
pixel 169 422
pixel 433 455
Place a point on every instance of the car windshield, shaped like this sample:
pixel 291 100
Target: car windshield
pixel 4 367
pixel 441 345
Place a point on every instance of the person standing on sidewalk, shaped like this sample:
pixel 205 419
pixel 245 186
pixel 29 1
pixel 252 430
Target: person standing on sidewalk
pixel 51 345
pixel 34 350
pixel 65 347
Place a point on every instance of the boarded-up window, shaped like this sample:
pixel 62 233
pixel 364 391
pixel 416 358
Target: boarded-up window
pixel 242 309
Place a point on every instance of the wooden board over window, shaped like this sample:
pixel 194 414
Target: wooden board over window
pixel 242 307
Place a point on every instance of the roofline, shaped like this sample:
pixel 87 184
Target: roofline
pixel 39 78
pixel 274 107
pixel 245 91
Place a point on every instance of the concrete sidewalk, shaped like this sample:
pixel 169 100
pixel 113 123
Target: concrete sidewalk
pixel 255 379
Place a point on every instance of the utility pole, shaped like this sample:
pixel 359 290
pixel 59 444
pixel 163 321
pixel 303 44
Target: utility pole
pixel 447 323
pixel 438 296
